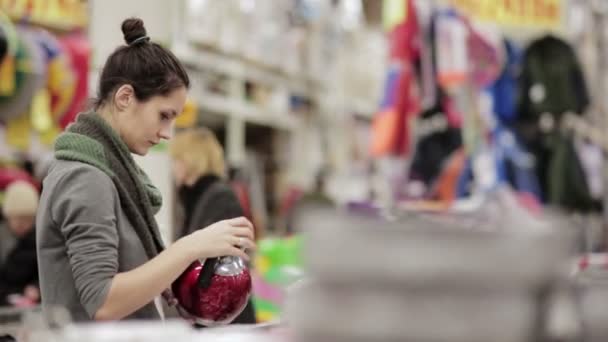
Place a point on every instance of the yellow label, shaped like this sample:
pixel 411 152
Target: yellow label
pixel 532 13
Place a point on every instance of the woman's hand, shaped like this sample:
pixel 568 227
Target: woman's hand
pixel 224 238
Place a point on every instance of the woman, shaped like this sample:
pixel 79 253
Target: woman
pixel 199 172
pixel 18 267
pixel 100 253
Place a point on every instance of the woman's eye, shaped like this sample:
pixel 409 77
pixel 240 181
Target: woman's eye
pixel 164 117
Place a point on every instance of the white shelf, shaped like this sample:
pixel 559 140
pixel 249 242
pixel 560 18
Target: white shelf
pixel 247 112
pixel 242 68
pixel 228 107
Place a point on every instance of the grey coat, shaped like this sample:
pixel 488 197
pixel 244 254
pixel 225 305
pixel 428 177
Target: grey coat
pixel 83 240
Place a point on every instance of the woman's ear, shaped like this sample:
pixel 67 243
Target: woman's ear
pixel 124 97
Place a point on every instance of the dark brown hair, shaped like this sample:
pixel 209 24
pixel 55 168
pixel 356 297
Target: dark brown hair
pixel 148 67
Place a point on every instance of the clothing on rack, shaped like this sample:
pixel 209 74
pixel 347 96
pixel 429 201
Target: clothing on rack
pixel 401 101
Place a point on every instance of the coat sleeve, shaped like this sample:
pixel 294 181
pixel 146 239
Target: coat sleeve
pixel 85 212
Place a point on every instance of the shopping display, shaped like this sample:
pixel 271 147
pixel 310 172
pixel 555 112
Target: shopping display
pixel 500 104
pixel 44 72
pixel 214 292
pixel 278 265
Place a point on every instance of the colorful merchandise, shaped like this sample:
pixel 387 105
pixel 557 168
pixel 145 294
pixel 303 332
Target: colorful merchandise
pixel 7 63
pixel 278 264
pixel 29 77
pixel 434 147
pixel 78 48
pixel 8 175
pixel 391 126
pixel 61 80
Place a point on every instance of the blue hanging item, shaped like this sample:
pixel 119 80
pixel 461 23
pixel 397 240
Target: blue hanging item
pixel 389 97
pixel 504 90
pixel 514 165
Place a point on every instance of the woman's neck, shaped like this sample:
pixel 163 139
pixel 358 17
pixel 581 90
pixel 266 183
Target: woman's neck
pixel 108 115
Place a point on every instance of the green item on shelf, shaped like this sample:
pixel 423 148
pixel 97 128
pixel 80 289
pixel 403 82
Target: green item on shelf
pixel 282 251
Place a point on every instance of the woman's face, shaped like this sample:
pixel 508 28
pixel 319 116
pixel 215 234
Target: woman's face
pixel 20 225
pixel 142 125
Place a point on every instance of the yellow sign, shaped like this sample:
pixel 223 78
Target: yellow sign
pixel 55 14
pixel 532 13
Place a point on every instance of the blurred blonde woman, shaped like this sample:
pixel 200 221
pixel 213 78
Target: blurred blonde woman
pixel 199 172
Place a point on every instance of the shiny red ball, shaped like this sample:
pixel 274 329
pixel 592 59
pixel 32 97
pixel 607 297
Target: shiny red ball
pixel 219 303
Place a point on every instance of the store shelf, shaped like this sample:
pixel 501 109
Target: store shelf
pixel 247 112
pixel 228 107
pixel 240 67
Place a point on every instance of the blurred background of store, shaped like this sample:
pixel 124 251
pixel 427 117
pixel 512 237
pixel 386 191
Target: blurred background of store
pixel 484 113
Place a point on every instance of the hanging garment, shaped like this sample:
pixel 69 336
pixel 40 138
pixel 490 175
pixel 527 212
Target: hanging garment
pixel 485 53
pixel 434 146
pixel 445 188
pixel 504 90
pixel 389 123
pixel 469 58
pixel 511 164
pixel 551 80
pixel 404 38
pixel 390 128
pixel 567 185
pixel 451 56
pixel 514 165
pixel 551 84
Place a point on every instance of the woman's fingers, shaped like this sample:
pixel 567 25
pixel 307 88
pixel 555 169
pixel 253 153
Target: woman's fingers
pixel 240 222
pixel 237 252
pixel 243 243
pixel 243 232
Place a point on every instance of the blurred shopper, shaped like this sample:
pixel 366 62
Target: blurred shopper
pixel 100 253
pixel 199 172
pixel 19 269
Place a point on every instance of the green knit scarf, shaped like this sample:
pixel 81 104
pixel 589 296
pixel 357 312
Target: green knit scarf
pixel 91 140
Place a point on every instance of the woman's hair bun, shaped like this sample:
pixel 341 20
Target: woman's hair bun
pixel 132 29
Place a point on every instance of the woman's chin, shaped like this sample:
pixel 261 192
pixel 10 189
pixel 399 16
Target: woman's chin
pixel 141 151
